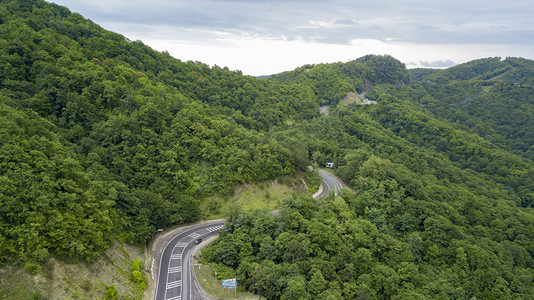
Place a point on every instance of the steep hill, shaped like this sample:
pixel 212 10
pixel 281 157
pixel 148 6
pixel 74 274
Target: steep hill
pixel 515 70
pixel 105 138
pixel 332 82
pixel 439 212
pixel 491 97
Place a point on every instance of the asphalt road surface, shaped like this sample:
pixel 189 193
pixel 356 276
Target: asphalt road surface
pixel 175 274
pixel 175 279
pixel 330 183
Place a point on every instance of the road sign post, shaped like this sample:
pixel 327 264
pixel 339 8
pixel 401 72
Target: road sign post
pixel 230 284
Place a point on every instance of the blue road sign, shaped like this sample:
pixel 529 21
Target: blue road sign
pixel 229 284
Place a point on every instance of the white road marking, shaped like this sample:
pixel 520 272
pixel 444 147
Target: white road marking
pixel 216 228
pixel 171 285
pixel 152 269
pixel 175 269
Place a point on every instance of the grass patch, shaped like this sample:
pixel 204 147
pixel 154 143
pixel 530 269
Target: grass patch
pixel 17 284
pixel 212 286
pixel 126 254
pixel 351 97
pixel 60 280
pixel 251 196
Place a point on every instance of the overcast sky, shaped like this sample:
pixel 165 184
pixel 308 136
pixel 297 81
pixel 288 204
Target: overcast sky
pixel 266 37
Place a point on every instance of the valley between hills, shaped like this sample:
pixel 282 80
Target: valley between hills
pixel 104 140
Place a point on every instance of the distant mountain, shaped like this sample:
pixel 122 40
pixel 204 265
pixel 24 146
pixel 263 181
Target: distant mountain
pixel 515 70
pixel 438 211
pixel 332 82
pixel 420 74
pixel 492 97
pixel 103 138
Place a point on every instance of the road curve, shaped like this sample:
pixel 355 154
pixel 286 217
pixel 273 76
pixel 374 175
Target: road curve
pixel 330 183
pixel 174 281
pixel 175 278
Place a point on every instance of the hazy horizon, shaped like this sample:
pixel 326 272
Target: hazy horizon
pixel 268 37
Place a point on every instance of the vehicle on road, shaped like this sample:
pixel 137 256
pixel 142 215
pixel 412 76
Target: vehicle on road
pixel 176 279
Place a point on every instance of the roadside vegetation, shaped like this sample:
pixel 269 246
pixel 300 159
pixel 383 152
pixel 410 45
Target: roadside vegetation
pixel 103 139
pixel 213 286
pixel 110 274
pixel 259 195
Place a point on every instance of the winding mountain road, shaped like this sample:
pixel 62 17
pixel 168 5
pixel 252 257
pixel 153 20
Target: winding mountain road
pixel 176 279
pixel 175 274
pixel 330 183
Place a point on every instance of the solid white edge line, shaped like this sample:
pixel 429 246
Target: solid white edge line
pixel 159 268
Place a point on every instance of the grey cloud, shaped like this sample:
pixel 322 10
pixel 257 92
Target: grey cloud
pixel 411 21
pixel 345 22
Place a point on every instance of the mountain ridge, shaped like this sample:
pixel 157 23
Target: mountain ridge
pixel 105 139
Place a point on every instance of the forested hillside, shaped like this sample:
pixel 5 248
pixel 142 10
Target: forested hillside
pixel 438 212
pixel 331 82
pixel 103 138
pixel 492 97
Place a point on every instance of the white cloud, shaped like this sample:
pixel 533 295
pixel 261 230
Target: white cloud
pixel 264 37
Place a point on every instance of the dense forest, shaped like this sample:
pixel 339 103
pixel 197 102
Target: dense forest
pixel 436 213
pixel 103 138
pixel 438 209
pixel 493 98
pixel 332 82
